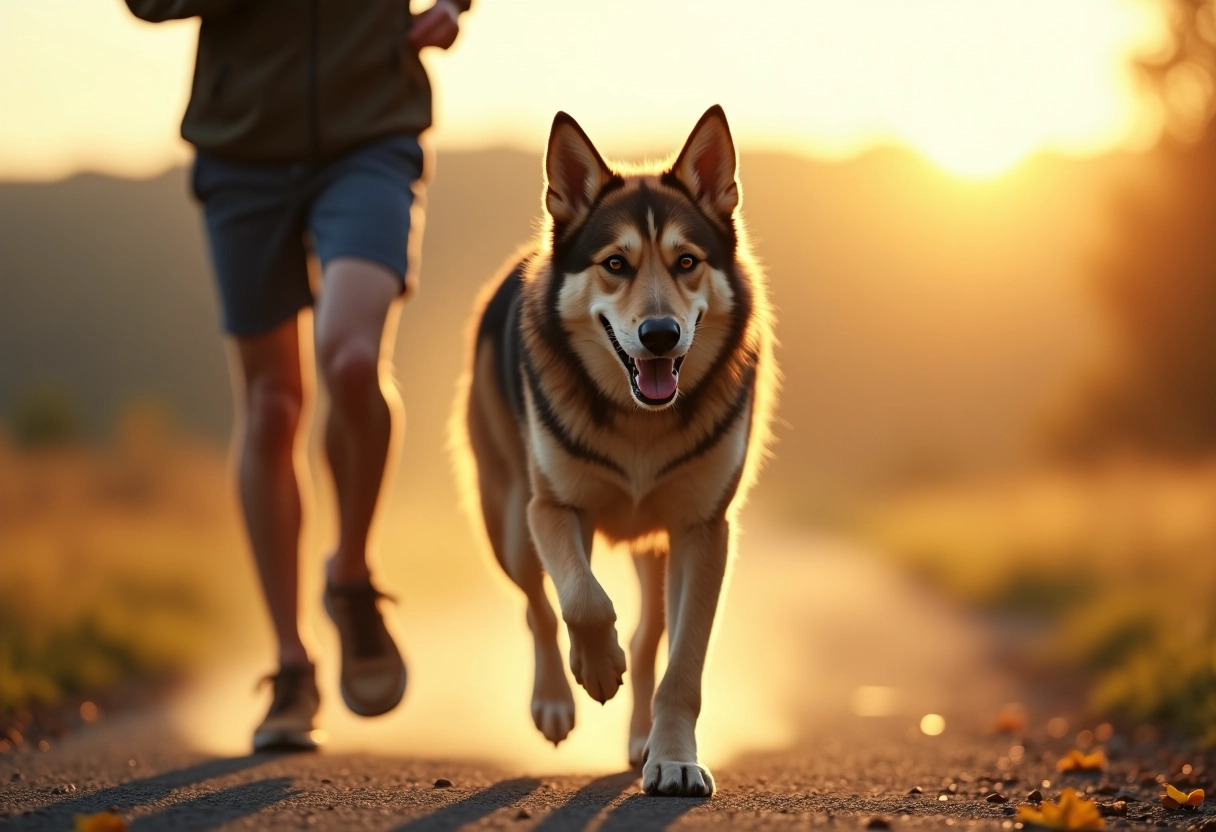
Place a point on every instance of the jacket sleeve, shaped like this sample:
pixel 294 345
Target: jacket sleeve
pixel 158 10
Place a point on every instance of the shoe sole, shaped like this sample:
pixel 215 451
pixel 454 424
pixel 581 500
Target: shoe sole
pixel 285 741
pixel 363 708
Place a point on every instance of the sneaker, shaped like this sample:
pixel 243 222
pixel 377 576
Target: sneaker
pixel 289 725
pixel 373 674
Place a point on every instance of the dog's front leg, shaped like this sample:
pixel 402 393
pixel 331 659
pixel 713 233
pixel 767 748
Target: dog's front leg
pixel 563 542
pixel 696 567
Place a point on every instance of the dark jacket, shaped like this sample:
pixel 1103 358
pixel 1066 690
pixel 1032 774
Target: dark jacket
pixel 299 80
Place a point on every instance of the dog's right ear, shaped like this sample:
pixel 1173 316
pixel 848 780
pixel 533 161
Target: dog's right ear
pixel 574 171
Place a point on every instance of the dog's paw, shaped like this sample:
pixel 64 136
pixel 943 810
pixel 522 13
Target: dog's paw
pixel 597 661
pixel 554 717
pixel 671 778
pixel 637 749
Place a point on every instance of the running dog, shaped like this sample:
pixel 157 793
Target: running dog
pixel 620 384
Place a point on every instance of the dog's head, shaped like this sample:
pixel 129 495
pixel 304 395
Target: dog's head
pixel 642 259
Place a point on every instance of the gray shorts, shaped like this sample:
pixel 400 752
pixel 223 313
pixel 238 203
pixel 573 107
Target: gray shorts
pixel 264 219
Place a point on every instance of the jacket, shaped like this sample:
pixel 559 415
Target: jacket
pixel 299 80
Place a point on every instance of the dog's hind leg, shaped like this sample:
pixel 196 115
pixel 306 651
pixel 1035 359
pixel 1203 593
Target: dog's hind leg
pixel 695 572
pixel 552 700
pixel 650 561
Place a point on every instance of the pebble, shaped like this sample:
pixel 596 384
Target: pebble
pixel 996 797
pixel 522 814
pixel 1035 796
pixel 326 781
pixel 17 776
pixel 443 783
pixel 916 790
pixel 878 822
pixel 1118 808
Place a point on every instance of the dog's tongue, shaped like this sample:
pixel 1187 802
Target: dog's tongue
pixel 656 377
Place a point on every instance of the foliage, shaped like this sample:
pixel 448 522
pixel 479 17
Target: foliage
pixel 1118 562
pixel 108 566
pixel 1156 279
pixel 1072 812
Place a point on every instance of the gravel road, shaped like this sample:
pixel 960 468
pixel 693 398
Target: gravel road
pixel 855 660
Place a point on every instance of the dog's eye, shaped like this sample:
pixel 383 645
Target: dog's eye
pixel 615 264
pixel 687 262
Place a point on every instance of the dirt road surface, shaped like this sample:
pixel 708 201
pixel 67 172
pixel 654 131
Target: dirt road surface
pixel 840 695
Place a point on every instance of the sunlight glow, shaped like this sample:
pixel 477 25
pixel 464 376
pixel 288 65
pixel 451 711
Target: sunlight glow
pixel 975 87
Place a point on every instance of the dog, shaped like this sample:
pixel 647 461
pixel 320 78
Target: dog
pixel 620 384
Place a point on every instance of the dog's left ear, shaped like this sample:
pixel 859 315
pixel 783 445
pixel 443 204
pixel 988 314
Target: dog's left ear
pixel 706 166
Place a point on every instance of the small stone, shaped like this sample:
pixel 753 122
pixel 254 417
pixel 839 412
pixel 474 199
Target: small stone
pixel 326 781
pixel 1008 810
pixel 916 790
pixel 443 783
pixel 1035 796
pixel 522 814
pixel 878 822
pixel 17 776
pixel 996 797
pixel 1115 809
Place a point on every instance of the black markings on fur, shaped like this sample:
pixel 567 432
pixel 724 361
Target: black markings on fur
pixel 553 424
pixel 553 335
pixel 499 327
pixel 741 402
pixel 723 362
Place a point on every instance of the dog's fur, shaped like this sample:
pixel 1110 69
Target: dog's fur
pixel 566 445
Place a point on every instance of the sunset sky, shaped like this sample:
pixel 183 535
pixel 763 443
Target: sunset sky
pixel 974 86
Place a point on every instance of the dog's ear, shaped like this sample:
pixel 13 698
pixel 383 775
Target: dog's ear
pixel 574 171
pixel 706 166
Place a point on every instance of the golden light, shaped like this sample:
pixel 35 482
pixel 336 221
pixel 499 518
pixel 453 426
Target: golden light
pixel 975 87
pixel 932 725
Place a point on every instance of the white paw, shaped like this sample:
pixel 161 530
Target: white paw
pixel 676 779
pixel 554 717
pixel 597 661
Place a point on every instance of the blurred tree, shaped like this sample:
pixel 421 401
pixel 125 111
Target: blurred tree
pixel 45 416
pixel 1156 282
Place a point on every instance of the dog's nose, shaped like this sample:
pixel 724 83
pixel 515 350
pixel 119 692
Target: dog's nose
pixel 659 335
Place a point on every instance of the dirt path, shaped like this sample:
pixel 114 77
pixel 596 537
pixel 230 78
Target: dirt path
pixel 826 666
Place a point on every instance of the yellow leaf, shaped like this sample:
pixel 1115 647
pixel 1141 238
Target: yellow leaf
pixel 1077 761
pixel 1177 798
pixel 1072 812
pixel 100 822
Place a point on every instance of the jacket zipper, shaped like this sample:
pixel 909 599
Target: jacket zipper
pixel 314 105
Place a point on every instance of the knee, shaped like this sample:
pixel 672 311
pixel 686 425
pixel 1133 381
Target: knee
pixel 273 414
pixel 352 374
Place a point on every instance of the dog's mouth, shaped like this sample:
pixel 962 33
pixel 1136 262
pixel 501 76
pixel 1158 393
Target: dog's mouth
pixel 654 381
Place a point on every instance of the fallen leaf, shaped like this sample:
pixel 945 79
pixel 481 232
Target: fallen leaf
pixel 1079 761
pixel 1072 812
pixel 1011 719
pixel 100 822
pixel 1177 799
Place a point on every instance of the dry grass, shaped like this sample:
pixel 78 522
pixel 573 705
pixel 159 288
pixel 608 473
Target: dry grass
pixel 114 563
pixel 1122 561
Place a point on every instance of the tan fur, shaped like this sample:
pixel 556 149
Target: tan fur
pixel 542 504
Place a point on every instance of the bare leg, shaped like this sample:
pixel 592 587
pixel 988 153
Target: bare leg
pixel 563 542
pixel 694 582
pixel 355 323
pixel 270 493
pixel 643 648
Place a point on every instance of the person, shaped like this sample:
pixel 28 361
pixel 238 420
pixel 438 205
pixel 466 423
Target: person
pixel 305 118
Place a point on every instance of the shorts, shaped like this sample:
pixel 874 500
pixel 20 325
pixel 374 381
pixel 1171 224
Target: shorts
pixel 263 220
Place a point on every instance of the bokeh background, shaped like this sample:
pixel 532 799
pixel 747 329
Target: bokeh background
pixel 989 234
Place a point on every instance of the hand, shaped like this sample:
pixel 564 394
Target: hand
pixel 437 26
